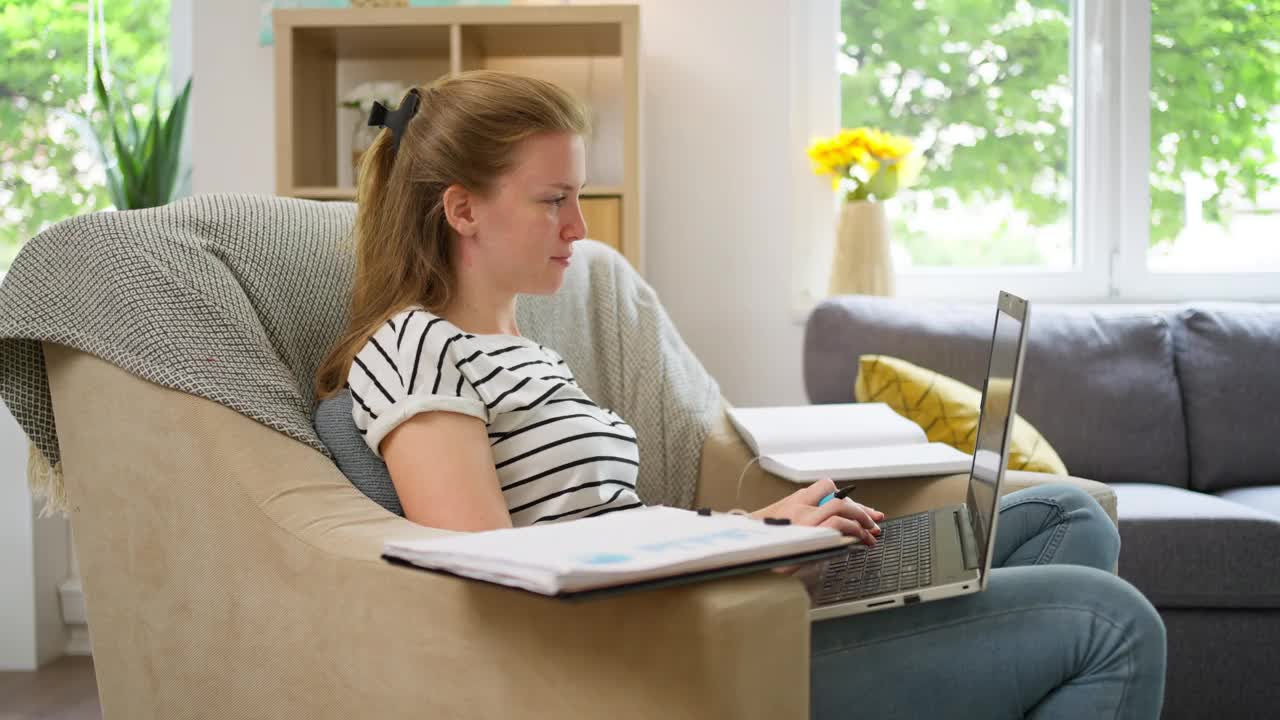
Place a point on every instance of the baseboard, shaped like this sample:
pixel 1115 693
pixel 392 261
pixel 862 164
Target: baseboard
pixel 72 594
pixel 78 640
pixel 75 617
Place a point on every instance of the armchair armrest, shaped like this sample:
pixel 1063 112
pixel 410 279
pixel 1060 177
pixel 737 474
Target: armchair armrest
pixel 230 571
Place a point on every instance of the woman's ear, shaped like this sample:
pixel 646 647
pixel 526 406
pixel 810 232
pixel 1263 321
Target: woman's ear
pixel 459 210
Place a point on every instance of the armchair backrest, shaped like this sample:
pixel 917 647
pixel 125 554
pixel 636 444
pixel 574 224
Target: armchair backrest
pixel 238 297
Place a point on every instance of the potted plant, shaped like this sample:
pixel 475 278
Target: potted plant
pixel 142 159
pixel 867 166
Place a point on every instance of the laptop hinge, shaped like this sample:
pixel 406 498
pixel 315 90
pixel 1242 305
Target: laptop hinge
pixel 968 545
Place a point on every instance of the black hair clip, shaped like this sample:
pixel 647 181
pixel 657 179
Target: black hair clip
pixel 395 120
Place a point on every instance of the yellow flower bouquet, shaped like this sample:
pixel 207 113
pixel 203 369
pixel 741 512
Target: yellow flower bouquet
pixel 870 166
pixel 868 163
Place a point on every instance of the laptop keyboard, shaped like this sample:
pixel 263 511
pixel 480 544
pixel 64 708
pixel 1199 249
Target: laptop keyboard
pixel 900 560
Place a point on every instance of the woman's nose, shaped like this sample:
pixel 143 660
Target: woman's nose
pixel 576 229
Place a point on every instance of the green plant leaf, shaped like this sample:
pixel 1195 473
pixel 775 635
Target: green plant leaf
pixel 169 147
pixel 147 157
pixel 884 184
pixel 150 161
pixel 100 89
pixel 134 136
pixel 173 130
pixel 128 170
pixel 123 165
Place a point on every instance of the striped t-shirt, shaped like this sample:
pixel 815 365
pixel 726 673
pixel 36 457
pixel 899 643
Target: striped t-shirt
pixel 559 456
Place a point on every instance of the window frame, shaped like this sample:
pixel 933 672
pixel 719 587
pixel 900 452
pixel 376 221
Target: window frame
pixel 1110 63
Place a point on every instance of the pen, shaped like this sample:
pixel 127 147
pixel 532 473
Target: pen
pixel 841 493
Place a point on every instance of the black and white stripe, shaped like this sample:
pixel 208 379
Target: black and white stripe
pixel 558 455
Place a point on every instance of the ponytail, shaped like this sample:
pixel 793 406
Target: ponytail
pixel 462 130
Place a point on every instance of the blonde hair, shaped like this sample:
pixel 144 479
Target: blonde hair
pixel 465 132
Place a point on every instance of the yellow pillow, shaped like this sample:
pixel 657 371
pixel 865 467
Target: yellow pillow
pixel 947 409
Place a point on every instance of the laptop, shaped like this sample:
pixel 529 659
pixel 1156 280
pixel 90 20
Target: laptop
pixel 945 552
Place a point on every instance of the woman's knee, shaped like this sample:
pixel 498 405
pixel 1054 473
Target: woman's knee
pixel 1129 612
pixel 1125 635
pixel 1073 498
pixel 1122 615
pixel 1090 535
pixel 1084 510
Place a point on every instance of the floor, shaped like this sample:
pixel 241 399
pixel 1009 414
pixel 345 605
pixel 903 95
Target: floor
pixel 62 690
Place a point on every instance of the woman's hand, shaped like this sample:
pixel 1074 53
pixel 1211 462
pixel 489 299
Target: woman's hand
pixel 845 515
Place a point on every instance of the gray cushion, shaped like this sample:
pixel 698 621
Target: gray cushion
pixel 1227 365
pixel 1083 365
pixel 1184 548
pixel 1263 497
pixel 365 470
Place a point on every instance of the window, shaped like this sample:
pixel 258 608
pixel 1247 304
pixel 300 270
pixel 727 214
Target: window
pixel 985 90
pixel 1077 149
pixel 47 171
pixel 1215 135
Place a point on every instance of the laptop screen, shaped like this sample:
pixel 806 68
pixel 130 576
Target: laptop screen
pixel 999 397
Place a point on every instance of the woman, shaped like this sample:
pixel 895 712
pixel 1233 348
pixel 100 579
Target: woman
pixel 471 198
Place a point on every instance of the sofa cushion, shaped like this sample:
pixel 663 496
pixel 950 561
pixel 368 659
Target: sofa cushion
pixel 365 470
pixel 1226 362
pixel 1184 548
pixel 1098 382
pixel 1263 497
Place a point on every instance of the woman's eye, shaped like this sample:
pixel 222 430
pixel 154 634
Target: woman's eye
pixel 557 201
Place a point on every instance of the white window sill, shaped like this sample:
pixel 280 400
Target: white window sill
pixel 1068 288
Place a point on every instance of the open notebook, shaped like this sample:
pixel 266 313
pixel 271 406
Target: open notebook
pixel 625 548
pixel 846 441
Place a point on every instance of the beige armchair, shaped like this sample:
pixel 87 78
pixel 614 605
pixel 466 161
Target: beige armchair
pixel 231 571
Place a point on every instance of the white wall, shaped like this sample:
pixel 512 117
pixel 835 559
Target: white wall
pixel 33 561
pixel 17 574
pixel 716 117
pixel 232 99
pixel 715 130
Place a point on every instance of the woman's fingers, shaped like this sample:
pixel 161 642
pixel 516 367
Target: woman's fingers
pixel 874 513
pixel 852 510
pixel 849 527
pixel 815 492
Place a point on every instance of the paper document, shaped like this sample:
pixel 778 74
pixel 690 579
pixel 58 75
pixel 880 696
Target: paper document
pixel 612 549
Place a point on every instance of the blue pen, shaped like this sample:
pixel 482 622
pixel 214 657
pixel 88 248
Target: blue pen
pixel 841 493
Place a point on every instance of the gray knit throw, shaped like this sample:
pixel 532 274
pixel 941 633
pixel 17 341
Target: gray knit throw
pixel 237 298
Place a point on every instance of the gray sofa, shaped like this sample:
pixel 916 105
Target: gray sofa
pixel 1177 407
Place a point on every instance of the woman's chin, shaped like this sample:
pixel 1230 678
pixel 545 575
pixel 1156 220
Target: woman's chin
pixel 546 286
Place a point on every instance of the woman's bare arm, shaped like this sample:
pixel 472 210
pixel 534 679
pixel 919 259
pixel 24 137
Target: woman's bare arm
pixel 442 467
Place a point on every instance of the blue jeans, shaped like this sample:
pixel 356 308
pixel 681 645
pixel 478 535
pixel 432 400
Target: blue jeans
pixel 1054 635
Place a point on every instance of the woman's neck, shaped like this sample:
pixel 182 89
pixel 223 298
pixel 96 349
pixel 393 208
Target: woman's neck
pixel 480 316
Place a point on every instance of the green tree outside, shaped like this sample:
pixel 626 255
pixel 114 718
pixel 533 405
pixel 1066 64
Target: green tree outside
pixel 47 172
pixel 985 84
